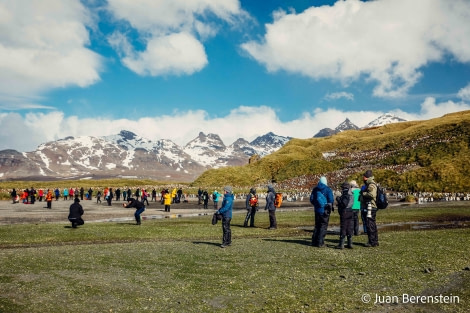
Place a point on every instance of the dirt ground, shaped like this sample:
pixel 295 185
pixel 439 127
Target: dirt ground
pixel 19 213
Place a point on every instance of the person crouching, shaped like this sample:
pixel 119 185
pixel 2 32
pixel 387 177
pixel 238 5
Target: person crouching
pixel 75 213
pixel 139 208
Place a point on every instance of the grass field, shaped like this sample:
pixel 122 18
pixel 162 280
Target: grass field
pixel 177 266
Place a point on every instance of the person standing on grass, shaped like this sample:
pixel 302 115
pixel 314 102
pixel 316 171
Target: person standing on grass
pixel 322 200
pixel 367 198
pixel 345 202
pixel 139 208
pixel 251 205
pixel 226 211
pixel 75 213
pixel 270 198
pixel 66 193
pixel 57 194
pixel 356 207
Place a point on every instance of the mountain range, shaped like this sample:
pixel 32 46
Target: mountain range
pixel 384 119
pixel 128 155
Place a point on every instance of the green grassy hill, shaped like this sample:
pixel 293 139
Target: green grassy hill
pixel 431 155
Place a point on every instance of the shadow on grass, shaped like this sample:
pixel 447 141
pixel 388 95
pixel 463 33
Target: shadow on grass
pixel 303 242
pixel 206 243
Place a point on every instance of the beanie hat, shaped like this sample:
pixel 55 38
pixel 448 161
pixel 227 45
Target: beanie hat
pixel 323 180
pixel 228 189
pixel 354 183
pixel 345 185
pixel 368 174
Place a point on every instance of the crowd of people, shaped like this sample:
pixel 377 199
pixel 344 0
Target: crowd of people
pixel 351 200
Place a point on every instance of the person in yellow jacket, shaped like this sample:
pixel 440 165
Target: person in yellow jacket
pixel 167 200
pixel 173 195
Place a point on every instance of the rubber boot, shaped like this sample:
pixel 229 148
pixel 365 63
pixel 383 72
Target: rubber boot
pixel 341 243
pixel 349 245
pixel 247 218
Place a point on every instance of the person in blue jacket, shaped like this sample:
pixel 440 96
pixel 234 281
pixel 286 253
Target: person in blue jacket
pixel 226 212
pixel 322 200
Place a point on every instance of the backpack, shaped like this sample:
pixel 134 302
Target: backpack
pixel 318 199
pixel 344 200
pixel 278 200
pixel 381 201
pixel 253 200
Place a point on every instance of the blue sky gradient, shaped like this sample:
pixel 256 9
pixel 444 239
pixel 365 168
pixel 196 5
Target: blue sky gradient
pixel 172 68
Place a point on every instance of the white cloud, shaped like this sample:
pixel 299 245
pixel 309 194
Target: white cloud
pixel 26 133
pixel 43 46
pixel 464 93
pixel 385 41
pixel 339 95
pixel 169 30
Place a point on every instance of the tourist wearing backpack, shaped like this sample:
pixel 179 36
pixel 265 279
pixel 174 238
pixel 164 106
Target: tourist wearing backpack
pixel 368 201
pixel 345 202
pixel 322 200
pixel 251 204
pixel 270 198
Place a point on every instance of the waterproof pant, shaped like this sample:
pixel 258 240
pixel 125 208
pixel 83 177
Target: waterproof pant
pixel 226 231
pixel 346 222
pixel 372 233
pixel 356 222
pixel 364 220
pixel 272 219
pixel 137 215
pixel 321 226
pixel 76 221
pixel 250 216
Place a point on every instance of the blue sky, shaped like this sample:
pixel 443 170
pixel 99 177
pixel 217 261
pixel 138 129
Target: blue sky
pixel 169 69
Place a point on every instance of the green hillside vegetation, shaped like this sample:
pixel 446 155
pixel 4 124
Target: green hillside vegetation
pixel 414 156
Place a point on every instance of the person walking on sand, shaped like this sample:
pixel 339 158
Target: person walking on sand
pixel 49 198
pixel 226 211
pixel 167 200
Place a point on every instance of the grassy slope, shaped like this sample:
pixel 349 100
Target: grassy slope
pixel 176 266
pixel 439 148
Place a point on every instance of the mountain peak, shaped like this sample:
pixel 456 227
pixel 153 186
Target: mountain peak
pixel 387 118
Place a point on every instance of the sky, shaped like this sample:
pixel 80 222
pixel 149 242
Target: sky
pixel 169 69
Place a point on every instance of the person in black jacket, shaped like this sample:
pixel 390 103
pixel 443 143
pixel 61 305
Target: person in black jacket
pixel 75 213
pixel 139 208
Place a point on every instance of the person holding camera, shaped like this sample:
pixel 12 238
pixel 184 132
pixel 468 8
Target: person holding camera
pixel 322 200
pixel 139 208
pixel 369 205
pixel 226 212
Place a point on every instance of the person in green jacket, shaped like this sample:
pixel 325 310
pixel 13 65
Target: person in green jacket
pixel 356 207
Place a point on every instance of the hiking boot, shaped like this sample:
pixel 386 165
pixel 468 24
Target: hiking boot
pixel 349 245
pixel 341 243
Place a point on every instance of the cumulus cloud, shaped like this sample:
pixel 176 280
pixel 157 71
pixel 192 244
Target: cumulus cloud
pixel 386 41
pixel 43 45
pixel 25 133
pixel 171 30
pixel 464 93
pixel 339 95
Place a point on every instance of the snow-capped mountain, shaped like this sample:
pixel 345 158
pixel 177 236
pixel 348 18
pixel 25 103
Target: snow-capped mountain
pixel 345 125
pixel 127 154
pixel 385 119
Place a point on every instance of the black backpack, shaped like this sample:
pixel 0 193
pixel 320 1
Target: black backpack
pixel 381 201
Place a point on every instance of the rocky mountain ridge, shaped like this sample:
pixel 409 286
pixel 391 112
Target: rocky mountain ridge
pixel 129 155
